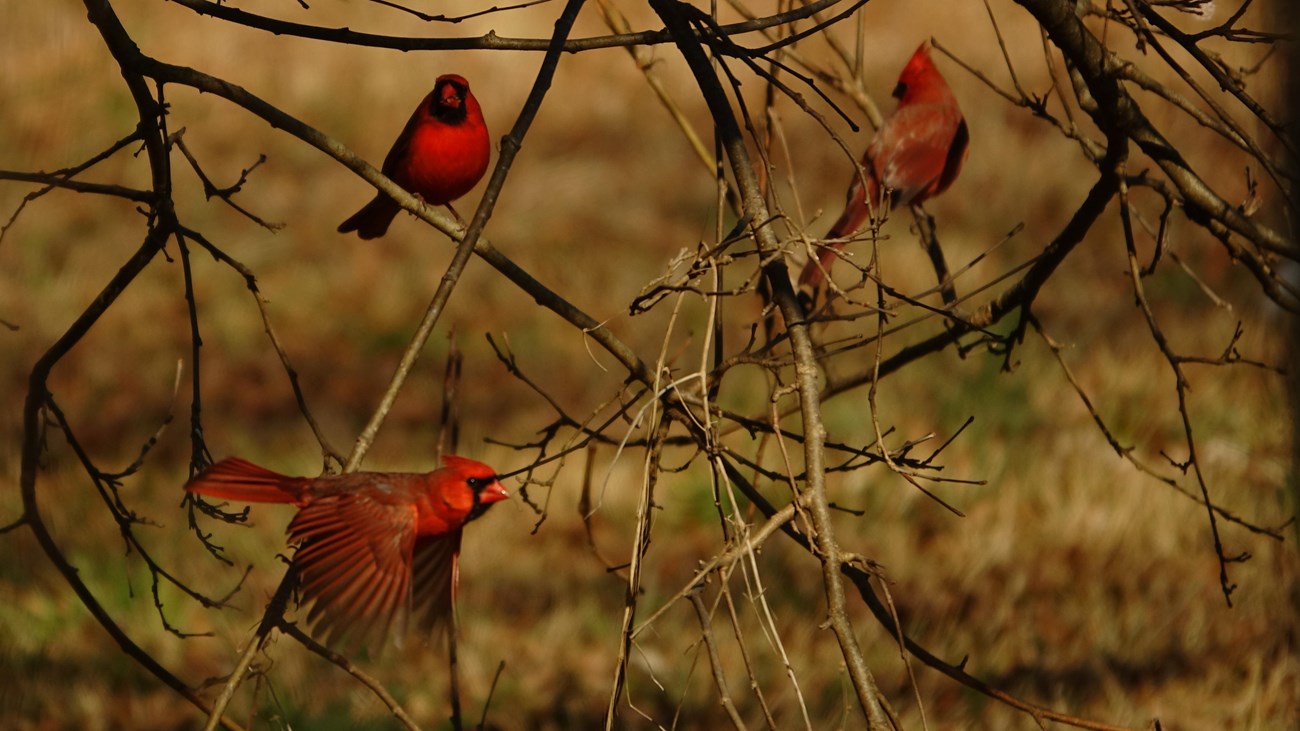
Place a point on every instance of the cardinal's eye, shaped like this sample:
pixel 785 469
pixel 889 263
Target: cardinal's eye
pixel 476 483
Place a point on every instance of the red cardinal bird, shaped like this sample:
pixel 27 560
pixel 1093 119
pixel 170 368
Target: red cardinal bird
pixel 915 155
pixel 375 548
pixel 442 152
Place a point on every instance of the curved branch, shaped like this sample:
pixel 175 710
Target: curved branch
pixel 115 37
pixel 489 42
pixel 1021 295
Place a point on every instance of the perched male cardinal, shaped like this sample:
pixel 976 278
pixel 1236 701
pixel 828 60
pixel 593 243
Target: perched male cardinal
pixel 442 152
pixel 915 155
pixel 374 548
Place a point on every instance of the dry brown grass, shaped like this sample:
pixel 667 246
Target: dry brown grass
pixel 1073 580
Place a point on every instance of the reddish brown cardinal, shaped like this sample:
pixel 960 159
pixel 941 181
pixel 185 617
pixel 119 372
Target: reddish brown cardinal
pixel 442 152
pixel 375 549
pixel 915 155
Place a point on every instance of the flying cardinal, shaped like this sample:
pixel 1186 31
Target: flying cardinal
pixel 915 156
pixel 375 549
pixel 442 152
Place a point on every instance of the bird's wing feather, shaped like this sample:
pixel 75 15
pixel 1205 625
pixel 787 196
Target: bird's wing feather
pixel 353 564
pixel 912 150
pixel 398 153
pixel 434 574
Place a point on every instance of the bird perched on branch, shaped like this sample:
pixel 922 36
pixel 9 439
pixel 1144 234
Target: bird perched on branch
pixel 916 154
pixel 440 155
pixel 375 549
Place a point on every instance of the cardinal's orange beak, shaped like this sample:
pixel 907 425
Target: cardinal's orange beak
pixel 450 98
pixel 493 493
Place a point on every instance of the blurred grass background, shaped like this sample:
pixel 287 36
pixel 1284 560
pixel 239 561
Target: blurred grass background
pixel 1073 581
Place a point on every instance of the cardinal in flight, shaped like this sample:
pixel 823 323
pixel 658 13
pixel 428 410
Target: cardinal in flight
pixel 376 550
pixel 440 155
pixel 915 156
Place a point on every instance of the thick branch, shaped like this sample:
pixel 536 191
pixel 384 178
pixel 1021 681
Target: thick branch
pixel 1102 71
pixel 1020 295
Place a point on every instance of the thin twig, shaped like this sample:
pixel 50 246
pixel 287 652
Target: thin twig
pixel 489 41
pixel 640 542
pixel 395 708
pixel 715 661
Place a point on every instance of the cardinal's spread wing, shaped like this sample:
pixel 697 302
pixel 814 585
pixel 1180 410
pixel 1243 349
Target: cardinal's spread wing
pixel 354 565
pixel 434 577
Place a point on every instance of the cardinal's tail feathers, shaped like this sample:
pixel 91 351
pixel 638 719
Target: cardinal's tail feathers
pixel 373 220
pixel 856 214
pixel 237 479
